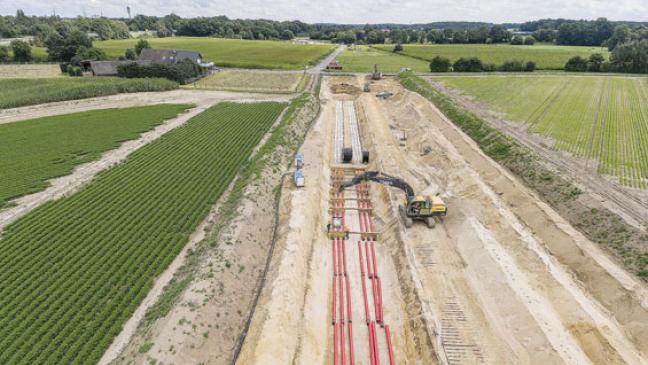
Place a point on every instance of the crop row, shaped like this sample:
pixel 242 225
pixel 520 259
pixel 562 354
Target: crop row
pixel 36 150
pixel 74 270
pixel 601 119
pixel 21 92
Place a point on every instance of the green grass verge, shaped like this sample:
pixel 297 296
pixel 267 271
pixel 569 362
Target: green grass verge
pixel 597 224
pixel 34 151
pixel 362 59
pixel 74 270
pixel 233 52
pixel 547 57
pixel 21 92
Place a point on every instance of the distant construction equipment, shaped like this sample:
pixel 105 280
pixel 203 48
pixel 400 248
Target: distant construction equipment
pixel 417 207
pixel 376 75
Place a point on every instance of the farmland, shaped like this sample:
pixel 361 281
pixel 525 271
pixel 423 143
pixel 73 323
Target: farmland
pixel 36 150
pixel 28 71
pixel 21 92
pixel 601 118
pixel 547 57
pixel 77 268
pixel 256 81
pixel 233 52
pixel 362 59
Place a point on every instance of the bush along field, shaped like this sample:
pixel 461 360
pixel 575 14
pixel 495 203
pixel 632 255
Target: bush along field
pixel 546 57
pixel 21 92
pixel 599 118
pixel 75 269
pixel 37 150
pixel 597 223
pixel 232 52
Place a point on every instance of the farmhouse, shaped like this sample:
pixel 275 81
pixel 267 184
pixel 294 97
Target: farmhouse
pixel 101 68
pixel 172 56
pixel 148 55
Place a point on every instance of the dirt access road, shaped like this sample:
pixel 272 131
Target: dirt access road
pixel 502 280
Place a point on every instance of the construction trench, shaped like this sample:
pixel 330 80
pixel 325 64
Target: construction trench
pixel 503 279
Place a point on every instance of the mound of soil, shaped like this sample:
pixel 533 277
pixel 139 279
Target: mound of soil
pixel 345 88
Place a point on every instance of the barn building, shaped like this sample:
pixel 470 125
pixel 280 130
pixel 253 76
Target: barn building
pixel 148 55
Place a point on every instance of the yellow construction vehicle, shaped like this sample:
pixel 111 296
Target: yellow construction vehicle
pixel 416 207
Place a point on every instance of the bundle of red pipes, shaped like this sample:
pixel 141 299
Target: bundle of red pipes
pixel 341 284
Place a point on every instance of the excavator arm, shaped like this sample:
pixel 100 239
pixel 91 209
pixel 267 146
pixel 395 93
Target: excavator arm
pixel 381 178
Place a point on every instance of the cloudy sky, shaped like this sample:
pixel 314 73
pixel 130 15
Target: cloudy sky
pixel 347 11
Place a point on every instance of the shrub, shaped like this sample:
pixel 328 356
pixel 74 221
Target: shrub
pixel 21 51
pixel 530 66
pixel 4 53
pixel 517 40
pixel 74 70
pixel 472 64
pixel 129 54
pixel 92 54
pixel 440 64
pixel 398 48
pixel 141 44
pixel 489 67
pixel 576 64
pixel 595 63
pixel 180 72
pixel 529 41
pixel 512 66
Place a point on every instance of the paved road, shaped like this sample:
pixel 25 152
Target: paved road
pixel 316 70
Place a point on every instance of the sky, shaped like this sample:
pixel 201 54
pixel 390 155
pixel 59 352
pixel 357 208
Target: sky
pixel 346 11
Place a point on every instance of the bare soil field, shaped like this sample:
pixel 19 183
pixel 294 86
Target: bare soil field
pixel 30 70
pixel 253 81
pixel 503 279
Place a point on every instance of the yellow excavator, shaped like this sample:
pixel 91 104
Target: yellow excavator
pixel 416 207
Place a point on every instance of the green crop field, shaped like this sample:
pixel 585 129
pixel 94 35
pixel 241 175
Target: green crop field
pixel 362 59
pixel 21 92
pixel 74 270
pixel 233 52
pixel 34 151
pixel 547 57
pixel 603 118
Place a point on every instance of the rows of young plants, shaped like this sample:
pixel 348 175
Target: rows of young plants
pixel 36 150
pixel 20 92
pixel 74 270
pixel 602 119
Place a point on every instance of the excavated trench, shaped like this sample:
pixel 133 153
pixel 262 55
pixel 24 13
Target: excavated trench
pixel 502 280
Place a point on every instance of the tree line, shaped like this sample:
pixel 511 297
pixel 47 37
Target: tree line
pixel 370 34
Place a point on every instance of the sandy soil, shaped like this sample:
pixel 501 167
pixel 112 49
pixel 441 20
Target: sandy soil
pixel 182 96
pixel 502 280
pixel 503 271
pixel 627 202
pixel 292 323
pixel 205 324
